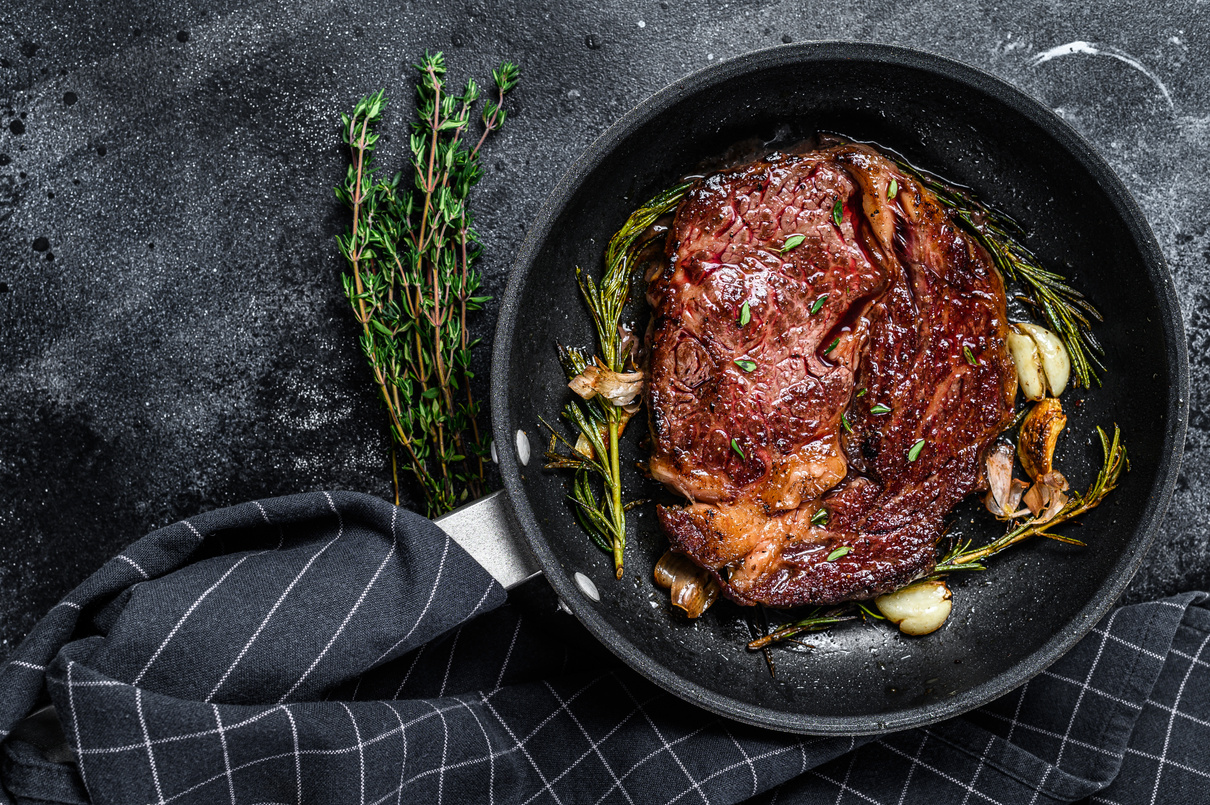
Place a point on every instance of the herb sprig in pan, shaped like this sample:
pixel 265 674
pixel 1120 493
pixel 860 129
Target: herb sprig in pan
pixel 411 279
pixel 598 420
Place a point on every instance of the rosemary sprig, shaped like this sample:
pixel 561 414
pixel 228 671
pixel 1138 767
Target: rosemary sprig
pixel 963 557
pixel 411 280
pixel 598 421
pixel 1065 309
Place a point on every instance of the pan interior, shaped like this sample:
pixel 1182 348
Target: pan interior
pixel 1034 601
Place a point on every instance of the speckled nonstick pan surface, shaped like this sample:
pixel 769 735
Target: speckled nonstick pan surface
pixel 1036 601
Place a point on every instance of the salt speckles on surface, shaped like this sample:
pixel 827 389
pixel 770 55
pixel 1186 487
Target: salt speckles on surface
pixel 142 385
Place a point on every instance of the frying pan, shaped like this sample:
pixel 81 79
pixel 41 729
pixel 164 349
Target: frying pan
pixel 1009 622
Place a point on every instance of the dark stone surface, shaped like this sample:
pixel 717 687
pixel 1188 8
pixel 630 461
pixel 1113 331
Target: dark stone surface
pixel 172 332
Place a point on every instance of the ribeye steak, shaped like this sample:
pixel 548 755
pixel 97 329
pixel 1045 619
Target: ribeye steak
pixel 809 328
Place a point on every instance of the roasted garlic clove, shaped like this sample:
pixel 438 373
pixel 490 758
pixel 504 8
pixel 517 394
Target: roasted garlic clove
pixel 1056 365
pixel 693 589
pixel 1039 432
pixel 1047 497
pixel 1024 352
pixel 1003 498
pixel 919 608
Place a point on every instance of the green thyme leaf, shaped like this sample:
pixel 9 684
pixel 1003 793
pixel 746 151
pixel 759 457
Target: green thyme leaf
pixel 970 358
pixel 843 550
pixel 832 346
pixel 820 517
pixel 880 409
pixel 844 421
pixel 862 392
pixel 739 451
pixel 893 188
pixel 747 366
pixel 818 304
pixel 914 453
pixel 837 212
pixel 792 242
pixel 745 315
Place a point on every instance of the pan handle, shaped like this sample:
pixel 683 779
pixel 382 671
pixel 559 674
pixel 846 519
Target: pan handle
pixel 488 531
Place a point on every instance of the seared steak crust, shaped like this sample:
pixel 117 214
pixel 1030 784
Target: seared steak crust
pixel 763 419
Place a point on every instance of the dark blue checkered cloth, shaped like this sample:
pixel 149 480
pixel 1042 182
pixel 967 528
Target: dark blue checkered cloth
pixel 332 648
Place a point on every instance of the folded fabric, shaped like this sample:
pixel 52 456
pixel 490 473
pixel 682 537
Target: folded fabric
pixel 332 648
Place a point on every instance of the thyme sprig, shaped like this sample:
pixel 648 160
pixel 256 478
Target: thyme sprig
pixel 598 421
pixel 1066 310
pixel 411 280
pixel 962 556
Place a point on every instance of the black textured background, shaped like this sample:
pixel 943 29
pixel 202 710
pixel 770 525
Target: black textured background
pixel 172 332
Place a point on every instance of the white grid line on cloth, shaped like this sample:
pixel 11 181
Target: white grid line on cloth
pixel 172 633
pixel 848 772
pixel 732 767
pixel 1101 799
pixel 109 750
pixel 1170 709
pixel 521 746
pixel 979 768
pixel 340 630
pixel 1017 712
pixel 403 762
pixel 411 668
pixel 651 722
pixel 263 513
pixel 941 774
pixel 75 722
pixel 1115 638
pixel 508 655
pixel 68 604
pixel 924 736
pixel 445 747
pixel 155 773
pixel 218 720
pixel 297 758
pixel 273 609
pixel 101 683
pixel 193 528
pixel 1159 771
pixel 361 755
pixel 652 754
pixel 134 564
pixel 748 760
pixel 1184 655
pixel 449 664
pixel 31 666
pixel 1094 689
pixel 593 747
pixel 1075 711
pixel 844 787
pixel 432 594
pixel 491 755
pixel 482 598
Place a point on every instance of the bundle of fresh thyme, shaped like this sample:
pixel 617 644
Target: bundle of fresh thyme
pixel 411 280
pixel 599 420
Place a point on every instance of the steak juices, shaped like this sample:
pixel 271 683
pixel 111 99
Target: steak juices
pixel 827 371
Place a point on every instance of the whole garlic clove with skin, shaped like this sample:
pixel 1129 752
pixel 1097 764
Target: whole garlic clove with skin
pixel 1056 365
pixel 1024 352
pixel 919 608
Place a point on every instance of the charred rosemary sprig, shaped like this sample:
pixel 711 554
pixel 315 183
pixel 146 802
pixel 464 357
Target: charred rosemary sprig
pixel 1064 308
pixel 600 418
pixel 963 557
pixel 818 619
pixel 411 281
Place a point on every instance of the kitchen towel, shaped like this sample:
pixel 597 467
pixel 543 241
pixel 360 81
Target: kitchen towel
pixel 333 648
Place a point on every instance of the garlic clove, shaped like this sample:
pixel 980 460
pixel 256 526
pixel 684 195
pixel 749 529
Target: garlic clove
pixel 1056 365
pixel 919 608
pixel 692 588
pixel 1024 352
pixel 1038 435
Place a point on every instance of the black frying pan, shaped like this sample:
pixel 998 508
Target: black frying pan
pixel 1010 622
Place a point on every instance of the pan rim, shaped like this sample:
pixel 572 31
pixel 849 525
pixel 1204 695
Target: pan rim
pixel 1159 277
